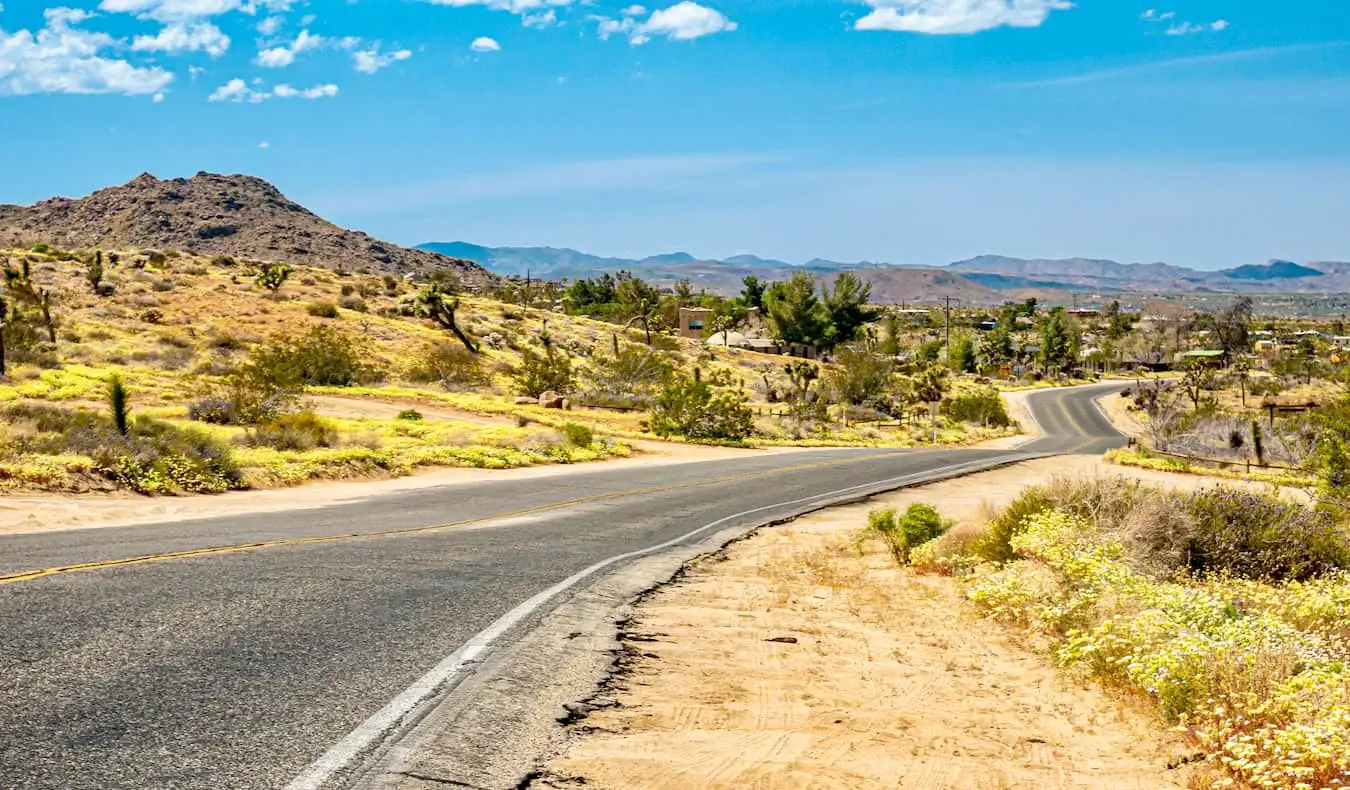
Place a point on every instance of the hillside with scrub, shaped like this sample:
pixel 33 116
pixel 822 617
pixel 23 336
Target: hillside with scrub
pixel 169 372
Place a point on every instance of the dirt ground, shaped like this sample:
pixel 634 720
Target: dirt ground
pixel 880 679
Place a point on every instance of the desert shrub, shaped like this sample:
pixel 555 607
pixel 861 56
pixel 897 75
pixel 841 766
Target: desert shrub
pixel 321 357
pixel 354 302
pixel 983 406
pixel 303 430
pixel 195 271
pixel 348 289
pixel 690 408
pixel 1261 537
pixel 155 257
pixel 322 309
pixel 224 261
pixel 902 534
pixel 632 372
pixel 549 371
pixel 995 544
pixel 226 342
pixel 151 315
pixel 451 365
pixel 215 411
pixel 577 435
pixel 163 285
pixel 411 415
pixel 152 457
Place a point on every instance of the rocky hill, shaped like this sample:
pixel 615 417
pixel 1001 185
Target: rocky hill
pixel 215 214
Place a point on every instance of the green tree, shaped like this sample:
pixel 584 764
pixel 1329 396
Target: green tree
pixel 795 314
pixel 997 349
pixel 638 303
pixel 684 292
pixel 861 378
pixel 1231 326
pixel 727 316
pixel 961 358
pixel 752 292
pixel 846 308
pixel 890 329
pixel 1059 343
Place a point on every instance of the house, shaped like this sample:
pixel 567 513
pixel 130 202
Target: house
pixel 693 320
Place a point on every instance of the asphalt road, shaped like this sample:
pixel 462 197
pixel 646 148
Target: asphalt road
pixel 237 667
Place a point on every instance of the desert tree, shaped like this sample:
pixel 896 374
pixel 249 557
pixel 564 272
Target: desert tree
pixel 794 312
pixel 94 273
pixel 273 276
pixel 438 302
pixel 22 288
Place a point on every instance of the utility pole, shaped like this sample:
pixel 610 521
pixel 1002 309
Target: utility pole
pixel 949 299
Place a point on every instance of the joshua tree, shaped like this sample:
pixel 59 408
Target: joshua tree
pixel 273 276
pixel 117 403
pixel 4 313
pixel 20 284
pixel 438 304
pixel 94 274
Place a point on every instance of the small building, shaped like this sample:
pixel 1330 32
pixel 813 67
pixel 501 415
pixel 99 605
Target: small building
pixel 693 320
pixel 1209 357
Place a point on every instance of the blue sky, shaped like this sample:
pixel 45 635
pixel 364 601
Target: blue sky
pixel 1206 133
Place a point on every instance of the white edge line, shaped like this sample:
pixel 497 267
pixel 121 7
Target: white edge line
pixel 369 733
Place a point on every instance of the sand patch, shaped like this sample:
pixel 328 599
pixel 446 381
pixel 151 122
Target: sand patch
pixel 879 678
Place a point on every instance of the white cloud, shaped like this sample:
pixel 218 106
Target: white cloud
pixel 264 145
pixel 1190 28
pixel 1153 15
pixel 954 17
pixel 369 61
pixel 548 18
pixel 238 91
pixel 683 21
pixel 63 59
pixel 280 57
pixel 271 25
pixel 485 44
pixel 284 91
pixel 178 37
pixel 533 13
pixel 171 10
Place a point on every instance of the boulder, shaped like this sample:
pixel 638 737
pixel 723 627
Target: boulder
pixel 525 400
pixel 551 400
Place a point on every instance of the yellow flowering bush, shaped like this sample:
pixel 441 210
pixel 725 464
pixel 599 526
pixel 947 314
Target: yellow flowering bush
pixel 1257 674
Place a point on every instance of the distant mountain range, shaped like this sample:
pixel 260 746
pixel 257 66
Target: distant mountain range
pixel 988 279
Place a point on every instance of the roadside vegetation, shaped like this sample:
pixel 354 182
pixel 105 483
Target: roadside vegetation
pixel 1227 611
pixel 285 373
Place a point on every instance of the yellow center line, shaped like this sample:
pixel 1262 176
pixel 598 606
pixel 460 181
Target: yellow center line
pixel 30 575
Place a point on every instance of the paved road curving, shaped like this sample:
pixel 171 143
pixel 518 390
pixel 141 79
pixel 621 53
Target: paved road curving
pixel 234 652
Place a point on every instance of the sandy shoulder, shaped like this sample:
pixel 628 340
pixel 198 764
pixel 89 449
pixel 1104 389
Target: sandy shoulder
pixel 46 513
pixel 881 680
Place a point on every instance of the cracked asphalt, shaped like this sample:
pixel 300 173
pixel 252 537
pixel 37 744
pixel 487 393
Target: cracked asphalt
pixel 236 670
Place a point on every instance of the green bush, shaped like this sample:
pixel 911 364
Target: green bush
pixel 995 544
pixel 549 371
pixel 354 302
pixel 577 435
pixel 153 457
pixel 303 430
pixel 412 415
pixel 983 406
pixel 322 357
pixel 322 309
pixel 451 365
pixel 690 408
pixel 902 534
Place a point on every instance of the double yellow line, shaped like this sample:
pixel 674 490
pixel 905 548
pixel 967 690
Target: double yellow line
pixel 30 575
